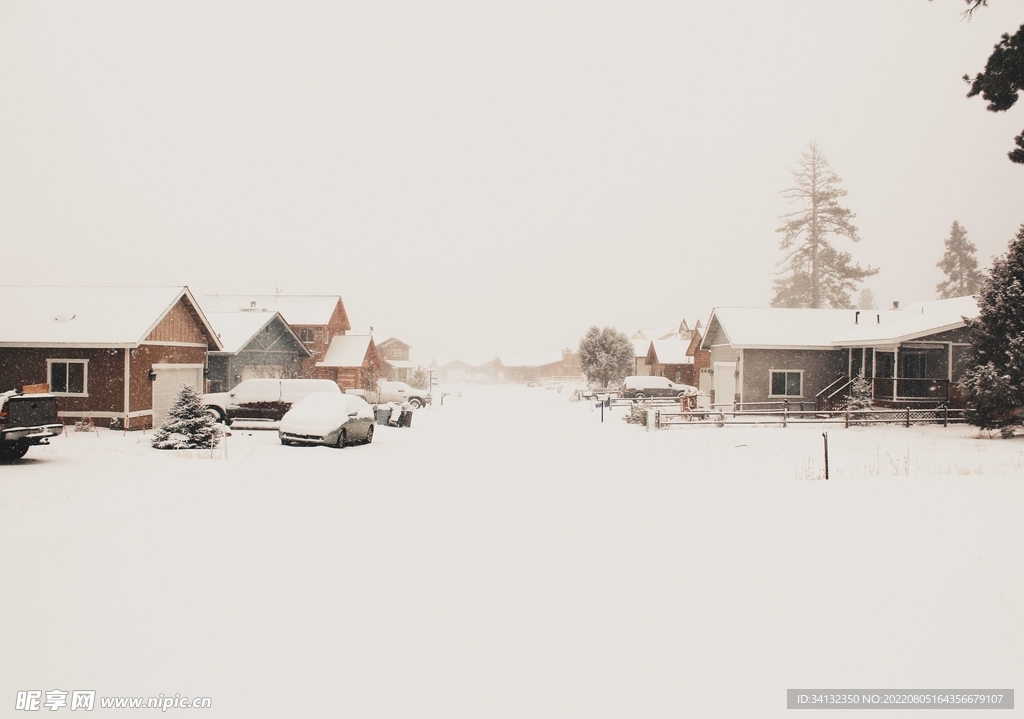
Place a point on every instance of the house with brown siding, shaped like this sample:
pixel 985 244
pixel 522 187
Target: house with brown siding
pixel 394 354
pixel 352 361
pixel 108 353
pixel 316 320
pixel 912 357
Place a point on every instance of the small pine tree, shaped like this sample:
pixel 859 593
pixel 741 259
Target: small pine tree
pixel 606 355
pixel 994 386
pixel 419 378
pixel 860 393
pixel 188 424
pixel 963 277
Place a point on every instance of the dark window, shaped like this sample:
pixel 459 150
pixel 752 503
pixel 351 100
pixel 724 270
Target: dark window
pixel 307 334
pixel 912 365
pixel 856 362
pixel 786 384
pixel 67 377
pixel 884 364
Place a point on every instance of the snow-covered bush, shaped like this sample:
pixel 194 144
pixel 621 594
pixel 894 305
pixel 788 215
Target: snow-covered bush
pixel 188 425
pixel 85 424
pixel 638 413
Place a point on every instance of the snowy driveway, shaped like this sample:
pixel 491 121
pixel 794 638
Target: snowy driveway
pixel 511 556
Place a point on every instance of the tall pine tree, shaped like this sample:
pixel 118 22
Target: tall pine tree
pixel 819 274
pixel 994 386
pixel 960 265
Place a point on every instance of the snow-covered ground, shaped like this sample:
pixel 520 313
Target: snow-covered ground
pixel 511 556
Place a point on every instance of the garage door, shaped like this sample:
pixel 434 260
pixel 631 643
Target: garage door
pixel 169 379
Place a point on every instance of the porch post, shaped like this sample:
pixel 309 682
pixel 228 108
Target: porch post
pixel 949 362
pixel 895 371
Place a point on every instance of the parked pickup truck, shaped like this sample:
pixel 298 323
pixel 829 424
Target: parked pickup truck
pixel 395 392
pixel 25 420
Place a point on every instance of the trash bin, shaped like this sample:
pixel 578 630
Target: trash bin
pixel 382 415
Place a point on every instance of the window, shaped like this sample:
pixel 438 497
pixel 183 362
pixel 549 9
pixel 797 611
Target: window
pixel 67 376
pixel 307 334
pixel 786 383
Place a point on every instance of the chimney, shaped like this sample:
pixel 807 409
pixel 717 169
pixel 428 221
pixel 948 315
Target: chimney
pixel 252 303
pixel 856 317
pixel 895 304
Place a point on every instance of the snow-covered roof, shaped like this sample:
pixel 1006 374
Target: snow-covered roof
pixel 86 316
pixel 401 364
pixel 236 329
pixel 296 309
pixel 641 347
pixel 769 327
pixel 655 333
pixel 672 351
pixel 346 351
pixel 903 325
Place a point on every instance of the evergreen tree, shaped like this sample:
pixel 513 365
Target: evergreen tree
pixel 1002 80
pixel 820 275
pixel 866 300
pixel 994 386
pixel 188 424
pixel 960 265
pixel 606 355
pixel 419 379
pixel 860 393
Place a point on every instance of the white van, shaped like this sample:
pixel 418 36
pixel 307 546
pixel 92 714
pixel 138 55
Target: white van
pixel 263 398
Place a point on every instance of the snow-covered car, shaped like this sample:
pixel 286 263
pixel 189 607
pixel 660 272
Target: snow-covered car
pixel 328 418
pixel 399 392
pixel 25 420
pixel 264 398
pixel 641 387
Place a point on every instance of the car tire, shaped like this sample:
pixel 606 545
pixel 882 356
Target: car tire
pixel 639 395
pixel 415 403
pixel 13 452
pixel 369 435
pixel 340 444
pixel 218 416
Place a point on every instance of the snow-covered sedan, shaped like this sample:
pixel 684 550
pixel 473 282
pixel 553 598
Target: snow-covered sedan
pixel 327 418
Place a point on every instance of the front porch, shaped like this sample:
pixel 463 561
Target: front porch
pixel 908 375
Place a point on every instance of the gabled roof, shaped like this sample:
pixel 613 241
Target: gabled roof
pixel 296 309
pixel 237 329
pixel 469 362
pixel 346 351
pixel 669 352
pixel 641 347
pixel 391 340
pixel 801 328
pixel 89 316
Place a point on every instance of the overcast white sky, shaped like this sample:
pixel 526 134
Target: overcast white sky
pixel 491 177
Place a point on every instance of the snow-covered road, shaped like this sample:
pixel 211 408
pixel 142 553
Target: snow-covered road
pixel 510 555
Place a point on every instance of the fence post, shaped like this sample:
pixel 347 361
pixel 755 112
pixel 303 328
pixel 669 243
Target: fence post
pixel 847 425
pixel 785 413
pixel 945 416
pixel 652 418
pixel 908 418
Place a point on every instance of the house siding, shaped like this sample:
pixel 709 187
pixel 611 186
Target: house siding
pixel 820 369
pixel 20 366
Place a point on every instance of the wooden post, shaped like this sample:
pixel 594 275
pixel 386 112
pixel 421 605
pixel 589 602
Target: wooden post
pixel 785 412
pixel 825 435
pixel 908 418
pixel 945 415
pixel 847 425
